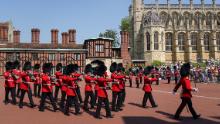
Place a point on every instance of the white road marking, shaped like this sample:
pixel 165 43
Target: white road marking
pixel 198 96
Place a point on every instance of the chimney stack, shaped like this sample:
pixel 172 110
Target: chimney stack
pixel 54 36
pixel 16 36
pixel 35 32
pixel 72 36
pixel 124 47
pixel 65 38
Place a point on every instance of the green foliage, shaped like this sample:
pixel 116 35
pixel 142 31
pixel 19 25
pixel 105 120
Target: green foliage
pixel 125 24
pixel 109 33
pixel 201 64
pixel 157 63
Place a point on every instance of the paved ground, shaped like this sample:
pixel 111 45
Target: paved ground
pixel 206 102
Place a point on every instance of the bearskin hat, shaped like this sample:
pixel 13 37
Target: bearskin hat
pixel 27 66
pixel 65 70
pixel 69 69
pixel 58 67
pixel 37 66
pixel 8 66
pixel 174 67
pixel 16 64
pixel 75 67
pixel 101 69
pixel 185 70
pixel 113 67
pixel 47 67
pixel 95 64
pixel 120 67
pixel 147 70
pixel 88 68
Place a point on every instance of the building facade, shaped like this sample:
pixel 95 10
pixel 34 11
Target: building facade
pixel 174 32
pixel 66 52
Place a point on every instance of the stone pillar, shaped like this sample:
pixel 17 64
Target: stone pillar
pixel 201 48
pixel 35 38
pixel 54 36
pixel 175 47
pixel 72 36
pixel 124 48
pixel 65 38
pixel 16 37
pixel 188 48
pixel 214 49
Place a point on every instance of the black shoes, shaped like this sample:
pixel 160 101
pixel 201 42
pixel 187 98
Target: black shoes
pixel 155 106
pixel 33 105
pixel 109 116
pixel 197 116
pixel 98 117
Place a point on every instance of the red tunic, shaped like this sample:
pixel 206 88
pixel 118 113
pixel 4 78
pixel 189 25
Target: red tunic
pixel 88 81
pixel 59 75
pixel 64 83
pixel 71 86
pixel 102 83
pixel 46 84
pixel 18 74
pixel 116 86
pixel 186 87
pixel 9 80
pixel 37 77
pixel 26 81
pixel 168 73
pixel 147 84
pixel 176 73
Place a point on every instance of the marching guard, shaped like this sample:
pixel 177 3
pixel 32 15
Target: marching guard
pixel 64 87
pixel 25 87
pixel 147 88
pixel 176 74
pixel 16 73
pixel 186 92
pixel 9 83
pixel 77 75
pixel 58 83
pixel 102 93
pixel 89 80
pixel 37 81
pixel 168 74
pixel 71 90
pixel 47 87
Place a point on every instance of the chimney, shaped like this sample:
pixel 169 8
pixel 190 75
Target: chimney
pixel 54 36
pixel 65 38
pixel 72 36
pixel 124 47
pixel 35 36
pixel 16 36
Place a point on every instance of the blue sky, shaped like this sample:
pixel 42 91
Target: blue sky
pixel 88 17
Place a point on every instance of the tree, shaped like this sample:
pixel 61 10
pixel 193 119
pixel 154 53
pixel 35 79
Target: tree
pixel 125 24
pixel 109 33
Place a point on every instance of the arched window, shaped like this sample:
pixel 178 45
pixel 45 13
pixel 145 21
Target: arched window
pixel 218 40
pixel 156 42
pixel 218 19
pixel 194 39
pixel 181 41
pixel 169 40
pixel 209 19
pixel 206 41
pixel 148 40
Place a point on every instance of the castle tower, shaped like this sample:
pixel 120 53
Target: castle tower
pixel 137 43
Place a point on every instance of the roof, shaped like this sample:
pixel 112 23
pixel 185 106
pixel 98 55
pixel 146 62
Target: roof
pixel 99 38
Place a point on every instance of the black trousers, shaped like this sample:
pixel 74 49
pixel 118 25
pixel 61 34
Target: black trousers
pixel 29 92
pixel 141 79
pixel 57 88
pixel 116 100
pixel 99 106
pixel 18 90
pixel 37 89
pixel 72 100
pixel 130 81
pixel 168 78
pixel 148 95
pixel 123 95
pixel 43 99
pixel 92 99
pixel 183 104
pixel 12 90
pixel 137 82
pixel 79 95
pixel 63 98
pixel 176 80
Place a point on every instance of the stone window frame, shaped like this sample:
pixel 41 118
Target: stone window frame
pixel 218 40
pixel 99 48
pixel 181 41
pixel 169 37
pixel 206 41
pixel 51 56
pixel 156 40
pixel 148 41
pixel 194 40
